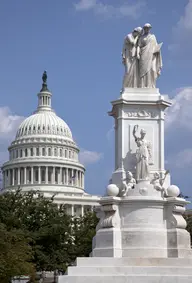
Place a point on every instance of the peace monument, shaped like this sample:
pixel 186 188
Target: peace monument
pixel 141 235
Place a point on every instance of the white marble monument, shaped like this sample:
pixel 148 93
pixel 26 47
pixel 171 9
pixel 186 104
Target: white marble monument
pixel 141 235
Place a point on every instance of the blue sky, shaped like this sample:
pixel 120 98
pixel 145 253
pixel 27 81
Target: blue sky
pixel 79 44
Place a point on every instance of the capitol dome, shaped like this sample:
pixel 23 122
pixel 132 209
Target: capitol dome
pixel 44 123
pixel 45 157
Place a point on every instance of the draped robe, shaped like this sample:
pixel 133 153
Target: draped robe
pixel 150 62
pixel 131 63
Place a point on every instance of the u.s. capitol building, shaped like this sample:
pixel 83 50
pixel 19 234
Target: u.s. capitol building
pixel 44 157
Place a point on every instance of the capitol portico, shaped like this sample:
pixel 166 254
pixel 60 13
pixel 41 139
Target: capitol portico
pixel 44 157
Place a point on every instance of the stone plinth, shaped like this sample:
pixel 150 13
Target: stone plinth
pixel 145 108
pixel 139 239
pixel 141 226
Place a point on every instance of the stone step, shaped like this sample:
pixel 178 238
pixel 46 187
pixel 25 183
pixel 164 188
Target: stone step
pixel 132 278
pixel 125 261
pixel 128 270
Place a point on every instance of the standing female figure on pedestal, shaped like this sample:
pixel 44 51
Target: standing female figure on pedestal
pixel 129 58
pixel 143 155
pixel 149 56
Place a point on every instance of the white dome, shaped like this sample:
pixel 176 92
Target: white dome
pixel 43 123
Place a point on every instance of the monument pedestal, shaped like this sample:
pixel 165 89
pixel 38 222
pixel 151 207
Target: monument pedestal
pixel 141 237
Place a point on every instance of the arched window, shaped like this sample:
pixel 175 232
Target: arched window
pixel 65 153
pixel 69 154
pixel 43 151
pixel 16 153
pixel 61 153
pixel 55 151
pixel 21 153
pixel 26 152
pixel 49 151
pixel 37 151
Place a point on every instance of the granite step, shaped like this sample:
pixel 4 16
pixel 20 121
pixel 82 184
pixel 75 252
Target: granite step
pixel 125 261
pixel 126 279
pixel 129 270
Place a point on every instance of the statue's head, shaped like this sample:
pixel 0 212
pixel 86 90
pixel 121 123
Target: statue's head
pixel 137 31
pixel 143 133
pixel 146 28
pixel 156 175
pixel 129 175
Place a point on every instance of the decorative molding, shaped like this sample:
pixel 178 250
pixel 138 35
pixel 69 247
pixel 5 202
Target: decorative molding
pixel 109 216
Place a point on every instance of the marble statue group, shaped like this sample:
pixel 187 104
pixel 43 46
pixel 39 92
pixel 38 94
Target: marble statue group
pixel 141 56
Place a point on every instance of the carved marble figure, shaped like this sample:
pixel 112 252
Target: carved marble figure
pixel 158 183
pixel 129 58
pixel 149 56
pixel 143 154
pixel 127 184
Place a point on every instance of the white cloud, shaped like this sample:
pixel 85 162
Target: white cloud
pixel 8 127
pixel 182 31
pixel 89 157
pixel 180 113
pixel 99 8
pixel 8 123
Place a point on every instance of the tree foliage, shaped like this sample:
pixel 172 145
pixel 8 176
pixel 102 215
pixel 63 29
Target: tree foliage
pixel 36 234
pixel 15 255
pixel 188 219
pixel 83 233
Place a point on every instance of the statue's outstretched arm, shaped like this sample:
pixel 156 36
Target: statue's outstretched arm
pixel 135 128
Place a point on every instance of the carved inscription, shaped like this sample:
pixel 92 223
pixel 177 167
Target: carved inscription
pixel 141 114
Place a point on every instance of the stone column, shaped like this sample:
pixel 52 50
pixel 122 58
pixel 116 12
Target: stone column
pixel 72 210
pixel 13 177
pixel 39 174
pixel 6 178
pixel 82 210
pixel 76 177
pixel 46 175
pixel 72 175
pixel 32 178
pixel 80 180
pixel 25 175
pixel 60 176
pixel 3 176
pixel 67 176
pixel 18 176
pixel 53 176
pixel 9 178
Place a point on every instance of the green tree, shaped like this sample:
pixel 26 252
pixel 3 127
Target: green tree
pixel 15 255
pixel 84 229
pixel 46 225
pixel 53 238
pixel 188 218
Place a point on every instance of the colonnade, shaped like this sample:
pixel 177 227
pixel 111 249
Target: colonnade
pixel 43 175
pixel 78 209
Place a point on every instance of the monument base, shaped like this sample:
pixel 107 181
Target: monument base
pixel 129 270
pixel 139 239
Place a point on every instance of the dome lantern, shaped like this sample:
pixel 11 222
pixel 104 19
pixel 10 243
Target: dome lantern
pixel 44 96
